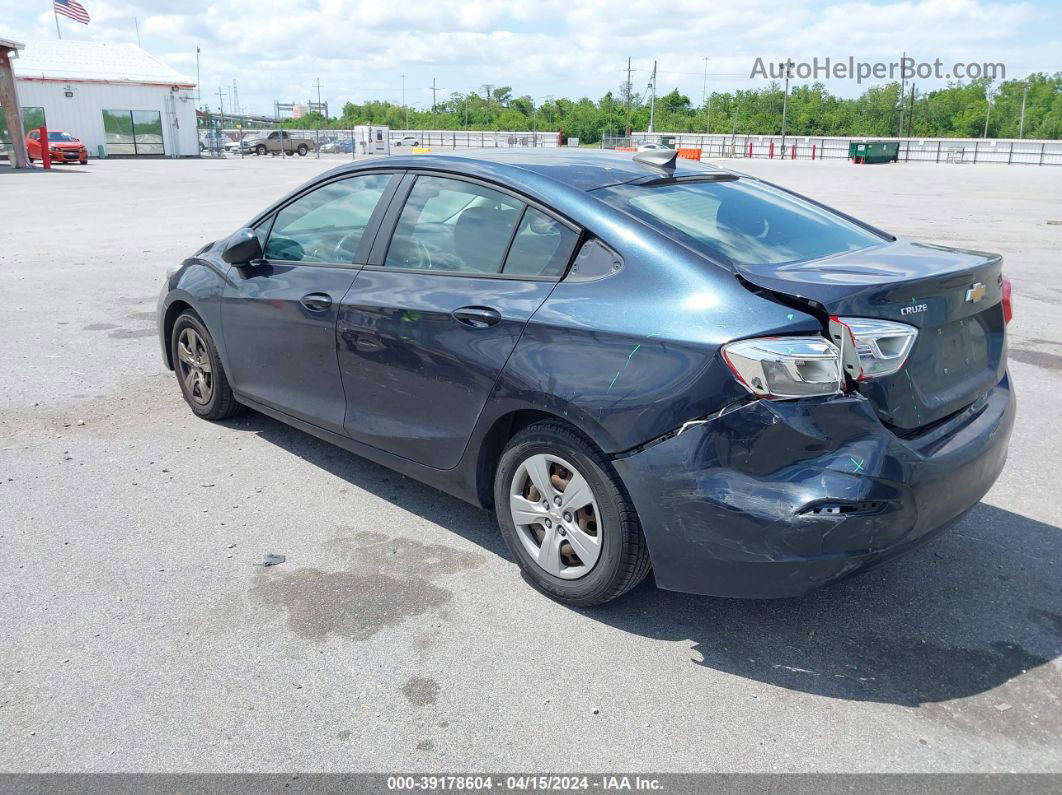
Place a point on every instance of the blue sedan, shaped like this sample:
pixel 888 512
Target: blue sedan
pixel 637 363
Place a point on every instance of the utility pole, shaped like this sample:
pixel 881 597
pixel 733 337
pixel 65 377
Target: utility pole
pixel 317 146
pixel 705 98
pixel 910 112
pixel 652 102
pixel 988 110
pixel 198 84
pixel 903 85
pixel 785 101
pixel 433 90
pixel 136 25
pixel 627 91
pixel 1021 123
pixel 221 104
pixel 236 98
pixel 404 106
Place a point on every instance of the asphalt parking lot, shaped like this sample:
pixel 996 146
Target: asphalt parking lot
pixel 141 632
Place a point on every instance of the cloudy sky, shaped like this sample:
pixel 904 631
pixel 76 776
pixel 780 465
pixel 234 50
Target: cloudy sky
pixel 360 48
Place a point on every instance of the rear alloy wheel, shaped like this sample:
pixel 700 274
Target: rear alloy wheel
pixel 566 517
pixel 302 150
pixel 199 370
pixel 555 515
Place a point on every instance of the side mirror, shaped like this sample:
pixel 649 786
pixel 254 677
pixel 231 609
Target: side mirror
pixel 242 248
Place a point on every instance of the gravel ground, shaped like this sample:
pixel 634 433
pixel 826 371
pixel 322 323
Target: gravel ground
pixel 141 633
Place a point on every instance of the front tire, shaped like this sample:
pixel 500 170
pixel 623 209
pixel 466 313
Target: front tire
pixel 200 374
pixel 566 517
pixel 260 150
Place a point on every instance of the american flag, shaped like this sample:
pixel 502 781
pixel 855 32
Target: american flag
pixel 72 9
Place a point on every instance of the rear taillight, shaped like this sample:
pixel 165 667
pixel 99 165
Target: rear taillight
pixel 871 348
pixel 1008 307
pixel 785 367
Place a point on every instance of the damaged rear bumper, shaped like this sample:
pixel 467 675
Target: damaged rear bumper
pixel 774 499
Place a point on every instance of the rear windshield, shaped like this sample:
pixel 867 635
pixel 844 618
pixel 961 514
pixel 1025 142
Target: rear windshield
pixel 739 221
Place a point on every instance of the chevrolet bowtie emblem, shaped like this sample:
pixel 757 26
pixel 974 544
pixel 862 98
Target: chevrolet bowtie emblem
pixel 976 293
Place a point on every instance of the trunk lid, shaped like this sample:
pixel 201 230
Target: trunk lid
pixel 952 296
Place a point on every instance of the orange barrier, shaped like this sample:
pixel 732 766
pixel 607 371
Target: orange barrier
pixel 626 149
pixel 690 154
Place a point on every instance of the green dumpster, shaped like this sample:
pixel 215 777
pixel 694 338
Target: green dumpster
pixel 874 151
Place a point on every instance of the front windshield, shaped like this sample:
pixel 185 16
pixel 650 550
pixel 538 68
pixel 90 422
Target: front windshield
pixel 740 221
pixel 61 136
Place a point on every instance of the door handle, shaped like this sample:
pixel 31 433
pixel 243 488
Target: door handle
pixel 316 302
pixel 476 316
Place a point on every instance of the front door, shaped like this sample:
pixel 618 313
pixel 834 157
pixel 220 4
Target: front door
pixel 427 327
pixel 279 314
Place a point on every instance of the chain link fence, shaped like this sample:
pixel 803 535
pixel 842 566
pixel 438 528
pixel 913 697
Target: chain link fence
pixel 218 142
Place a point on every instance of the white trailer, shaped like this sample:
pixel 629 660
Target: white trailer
pixel 372 139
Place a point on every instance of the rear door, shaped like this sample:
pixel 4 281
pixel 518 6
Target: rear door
pixel 430 322
pixel 279 314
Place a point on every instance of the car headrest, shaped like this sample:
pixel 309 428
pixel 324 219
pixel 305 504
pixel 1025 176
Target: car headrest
pixel 480 236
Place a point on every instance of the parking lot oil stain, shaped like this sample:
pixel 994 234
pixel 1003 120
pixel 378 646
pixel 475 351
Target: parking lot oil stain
pixel 420 691
pixel 387 580
pixel 99 327
pixel 128 334
pixel 1049 361
pixel 343 734
pixel 426 745
pixel 347 604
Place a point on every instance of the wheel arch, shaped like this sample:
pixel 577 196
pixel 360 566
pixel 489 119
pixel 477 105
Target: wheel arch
pixel 169 320
pixel 497 436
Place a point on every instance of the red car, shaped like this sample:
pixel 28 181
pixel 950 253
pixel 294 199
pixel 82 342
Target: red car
pixel 64 147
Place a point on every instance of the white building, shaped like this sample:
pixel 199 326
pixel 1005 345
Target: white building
pixel 114 97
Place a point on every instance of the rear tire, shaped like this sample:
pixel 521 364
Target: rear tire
pixel 302 150
pixel 527 484
pixel 200 374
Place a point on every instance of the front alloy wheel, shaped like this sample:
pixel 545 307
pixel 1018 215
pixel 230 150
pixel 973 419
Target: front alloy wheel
pixel 195 369
pixel 199 370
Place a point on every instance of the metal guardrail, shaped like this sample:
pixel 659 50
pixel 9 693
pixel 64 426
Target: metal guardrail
pixel 926 150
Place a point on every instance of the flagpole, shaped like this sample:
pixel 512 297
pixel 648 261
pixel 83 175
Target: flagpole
pixel 56 15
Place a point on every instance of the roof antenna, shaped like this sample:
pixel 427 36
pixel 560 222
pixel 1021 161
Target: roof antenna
pixel 657 158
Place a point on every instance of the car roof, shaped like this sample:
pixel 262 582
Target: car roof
pixel 582 169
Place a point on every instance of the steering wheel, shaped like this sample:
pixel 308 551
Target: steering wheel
pixel 423 255
pixel 343 254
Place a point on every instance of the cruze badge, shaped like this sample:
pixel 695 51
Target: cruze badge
pixel 976 293
pixel 914 309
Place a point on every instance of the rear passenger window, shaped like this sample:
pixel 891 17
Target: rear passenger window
pixel 451 225
pixel 542 246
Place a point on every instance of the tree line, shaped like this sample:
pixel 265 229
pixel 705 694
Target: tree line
pixel 974 109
